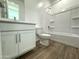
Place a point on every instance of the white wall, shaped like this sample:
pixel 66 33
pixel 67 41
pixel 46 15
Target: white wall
pixel 60 6
pixel 63 4
pixel 36 14
pixel 39 16
pixel 63 22
pixel 44 19
pixel 31 11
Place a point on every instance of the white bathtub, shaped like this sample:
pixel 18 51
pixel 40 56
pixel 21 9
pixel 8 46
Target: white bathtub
pixel 66 38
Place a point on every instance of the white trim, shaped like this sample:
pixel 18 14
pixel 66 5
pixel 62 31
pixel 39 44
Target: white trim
pixel 75 18
pixel 75 27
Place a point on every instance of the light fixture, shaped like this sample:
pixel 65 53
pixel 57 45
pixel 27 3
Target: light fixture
pixel 40 4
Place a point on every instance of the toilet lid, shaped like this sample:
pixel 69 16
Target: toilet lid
pixel 45 34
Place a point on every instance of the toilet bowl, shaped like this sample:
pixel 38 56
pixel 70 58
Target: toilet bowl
pixel 44 37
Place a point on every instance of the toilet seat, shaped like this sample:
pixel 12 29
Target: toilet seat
pixel 48 35
pixel 45 36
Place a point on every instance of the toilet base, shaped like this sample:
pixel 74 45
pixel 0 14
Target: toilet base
pixel 44 42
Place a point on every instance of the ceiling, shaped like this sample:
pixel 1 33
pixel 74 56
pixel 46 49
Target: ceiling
pixel 22 1
pixel 33 4
pixel 51 1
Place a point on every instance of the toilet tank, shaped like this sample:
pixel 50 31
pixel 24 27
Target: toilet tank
pixel 38 30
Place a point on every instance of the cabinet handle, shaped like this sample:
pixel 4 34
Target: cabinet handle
pixel 16 39
pixel 19 37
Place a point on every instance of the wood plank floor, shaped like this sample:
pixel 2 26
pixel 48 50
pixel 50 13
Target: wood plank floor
pixel 54 51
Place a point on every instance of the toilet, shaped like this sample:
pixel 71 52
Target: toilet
pixel 44 37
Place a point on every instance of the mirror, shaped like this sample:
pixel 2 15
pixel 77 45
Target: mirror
pixel 12 9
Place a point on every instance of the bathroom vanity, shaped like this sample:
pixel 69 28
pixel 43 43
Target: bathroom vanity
pixel 16 38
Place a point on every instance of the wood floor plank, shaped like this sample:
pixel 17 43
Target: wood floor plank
pixel 54 51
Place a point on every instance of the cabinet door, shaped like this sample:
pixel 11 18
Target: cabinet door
pixel 27 41
pixel 0 47
pixel 9 45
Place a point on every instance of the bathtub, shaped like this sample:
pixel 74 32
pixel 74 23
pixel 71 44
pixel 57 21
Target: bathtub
pixel 66 38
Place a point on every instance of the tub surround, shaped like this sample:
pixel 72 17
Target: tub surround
pixel 16 38
pixel 65 28
pixel 66 38
pixel 65 34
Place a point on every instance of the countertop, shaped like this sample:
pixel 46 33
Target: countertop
pixel 3 20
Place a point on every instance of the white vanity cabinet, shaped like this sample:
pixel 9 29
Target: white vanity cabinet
pixel 16 39
pixel 27 40
pixel 9 44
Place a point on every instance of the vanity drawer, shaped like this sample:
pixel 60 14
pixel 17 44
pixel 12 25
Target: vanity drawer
pixel 9 26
